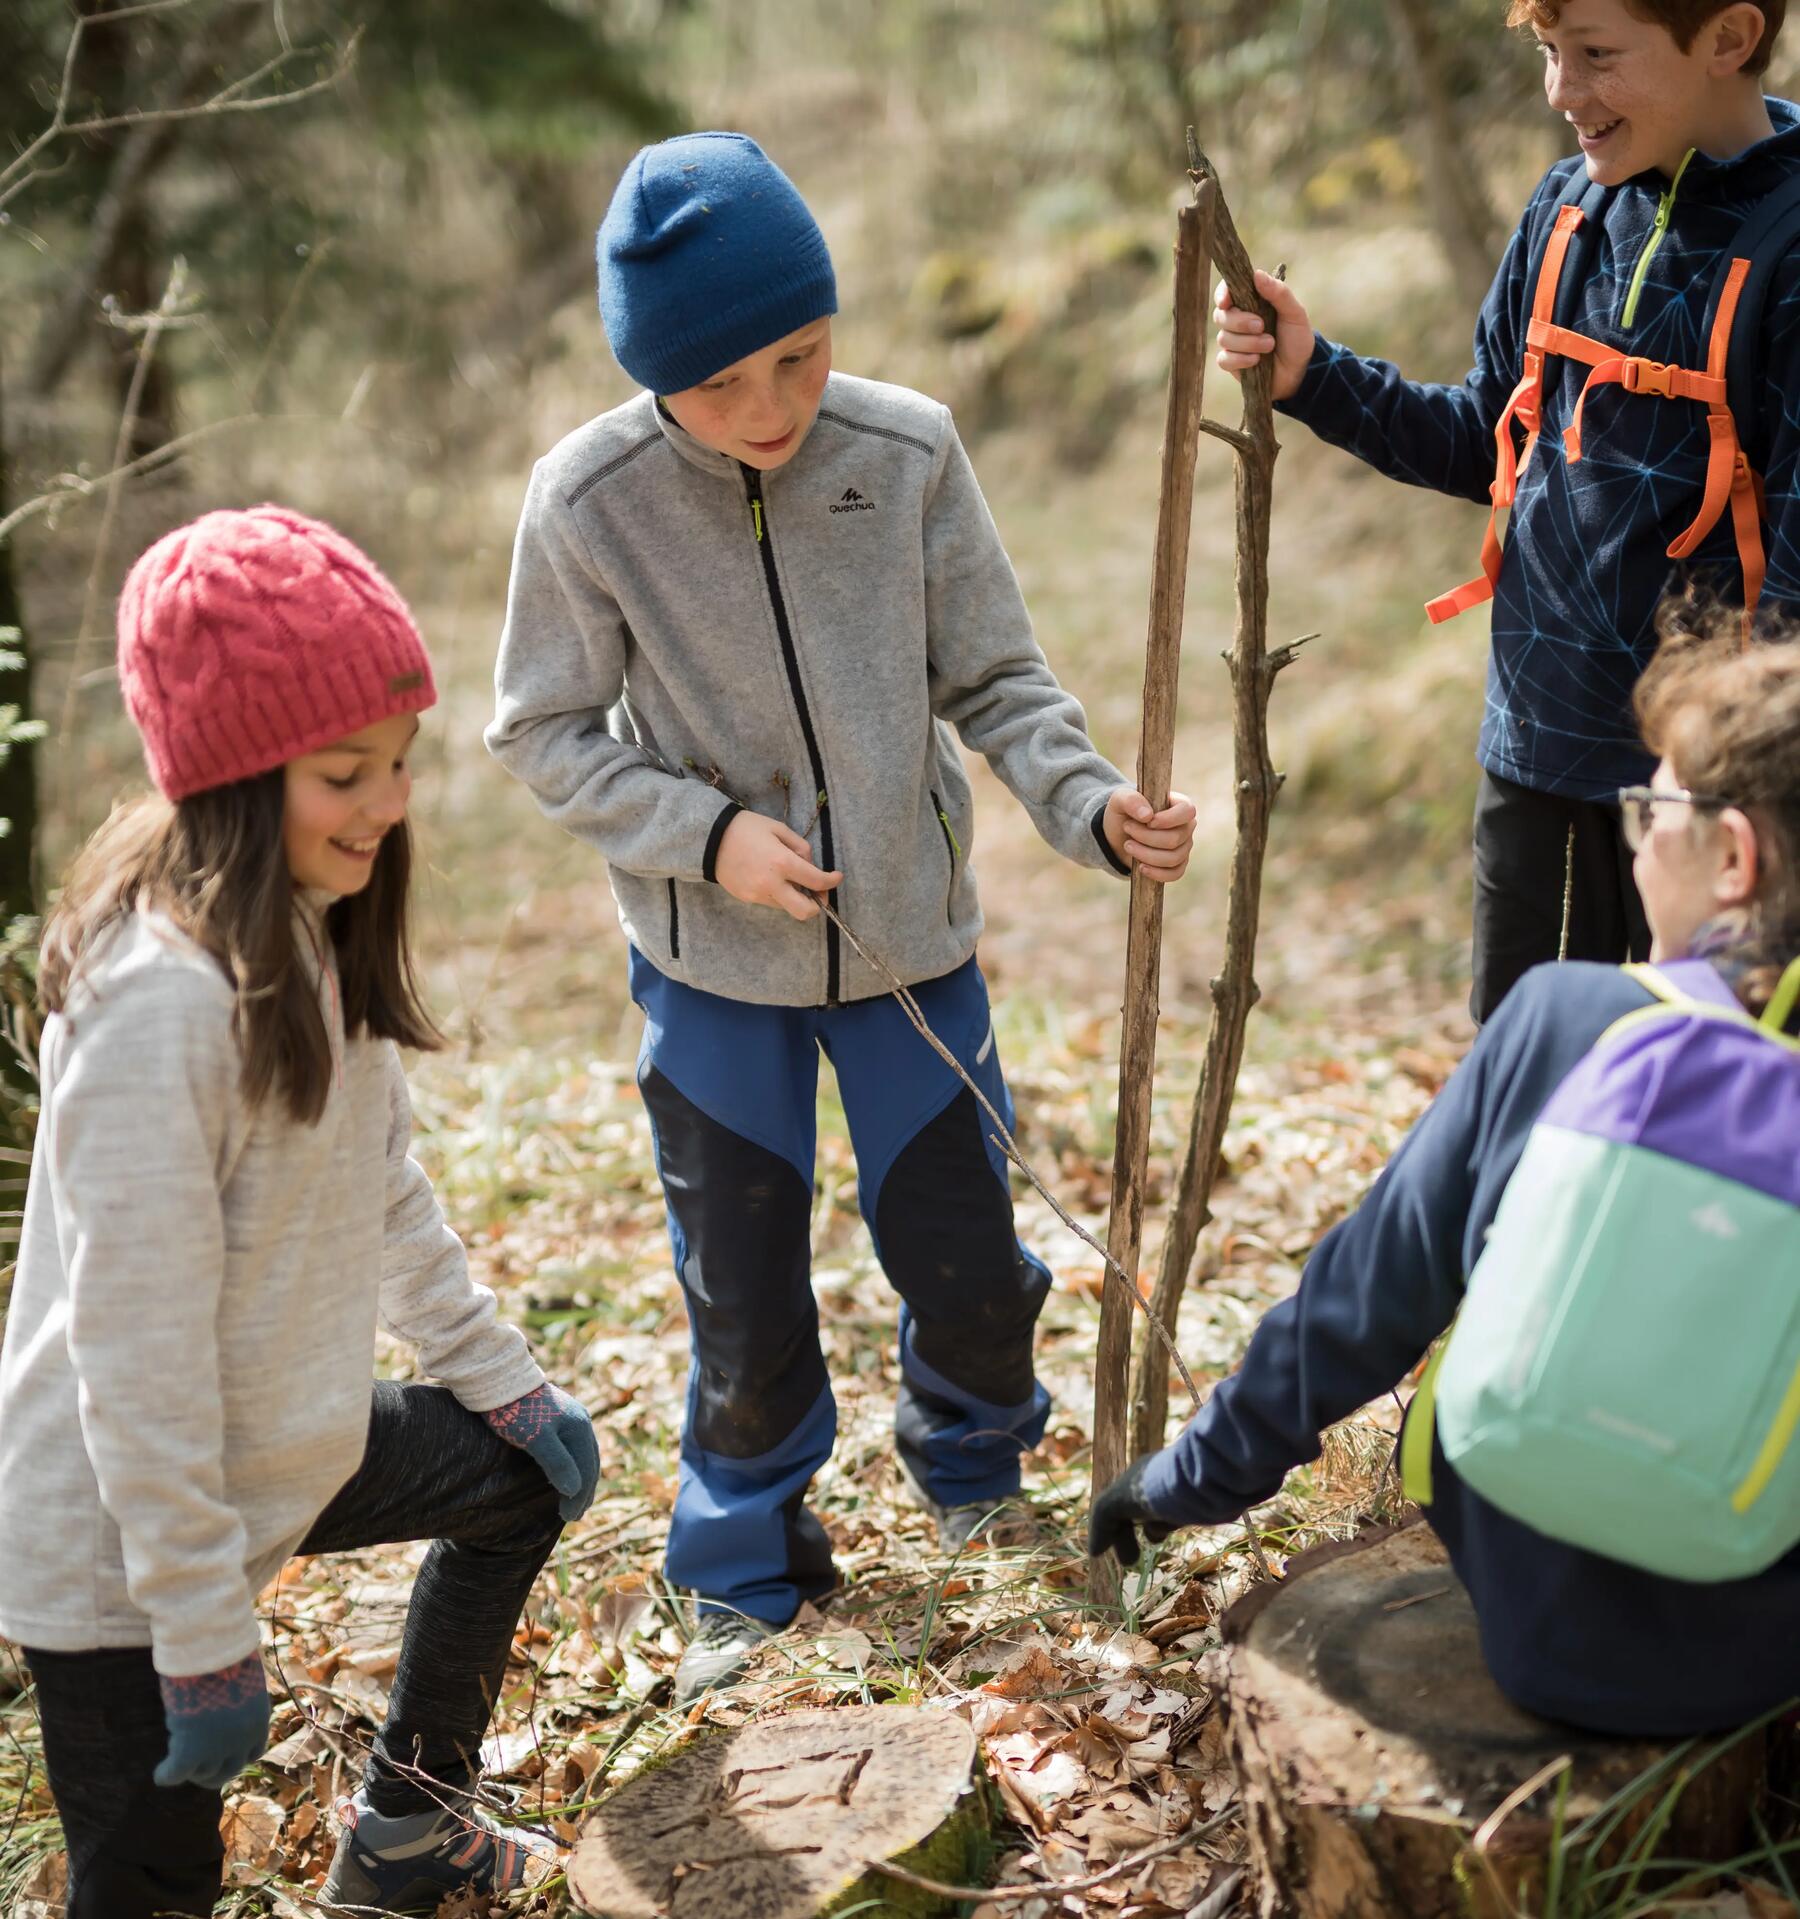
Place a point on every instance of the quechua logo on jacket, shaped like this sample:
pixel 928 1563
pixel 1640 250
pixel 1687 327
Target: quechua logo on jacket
pixel 853 502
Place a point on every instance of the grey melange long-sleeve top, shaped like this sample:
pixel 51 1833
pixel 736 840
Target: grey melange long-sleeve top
pixel 185 1379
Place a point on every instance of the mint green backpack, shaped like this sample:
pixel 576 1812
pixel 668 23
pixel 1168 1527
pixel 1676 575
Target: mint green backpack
pixel 1625 1372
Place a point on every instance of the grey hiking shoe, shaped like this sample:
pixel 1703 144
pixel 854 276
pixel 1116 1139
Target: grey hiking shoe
pixel 413 1863
pixel 1012 1521
pixel 722 1646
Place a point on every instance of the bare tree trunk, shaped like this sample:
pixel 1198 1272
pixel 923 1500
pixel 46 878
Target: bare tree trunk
pixel 1156 752
pixel 118 223
pixel 1460 208
pixel 18 767
pixel 1234 991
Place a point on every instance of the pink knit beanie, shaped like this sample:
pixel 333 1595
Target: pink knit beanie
pixel 249 638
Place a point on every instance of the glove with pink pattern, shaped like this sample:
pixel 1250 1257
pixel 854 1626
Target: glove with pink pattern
pixel 218 1724
pixel 557 1432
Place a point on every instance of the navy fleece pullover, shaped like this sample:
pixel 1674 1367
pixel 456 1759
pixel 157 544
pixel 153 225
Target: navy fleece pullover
pixel 1566 1633
pixel 1587 551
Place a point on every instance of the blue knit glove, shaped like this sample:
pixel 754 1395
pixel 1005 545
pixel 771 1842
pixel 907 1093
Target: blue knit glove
pixel 557 1432
pixel 218 1724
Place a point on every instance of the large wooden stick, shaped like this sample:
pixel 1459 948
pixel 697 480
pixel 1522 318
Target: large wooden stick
pixel 1156 753
pixel 1234 991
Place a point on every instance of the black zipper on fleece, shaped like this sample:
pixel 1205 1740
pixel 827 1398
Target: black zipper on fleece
pixel 674 923
pixel 759 515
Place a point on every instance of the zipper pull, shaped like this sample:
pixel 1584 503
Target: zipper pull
pixel 756 515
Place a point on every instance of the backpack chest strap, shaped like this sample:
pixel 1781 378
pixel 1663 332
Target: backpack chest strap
pixel 1731 484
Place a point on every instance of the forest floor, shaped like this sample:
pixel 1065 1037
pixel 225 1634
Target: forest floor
pixel 1098 1730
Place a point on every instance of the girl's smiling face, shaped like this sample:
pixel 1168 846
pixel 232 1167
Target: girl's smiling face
pixel 760 408
pixel 340 802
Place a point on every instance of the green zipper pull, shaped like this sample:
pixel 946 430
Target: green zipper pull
pixel 1665 212
pixel 756 515
pixel 949 833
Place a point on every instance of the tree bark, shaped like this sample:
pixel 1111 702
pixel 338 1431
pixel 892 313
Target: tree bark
pixel 1383 1771
pixel 118 225
pixel 1460 208
pixel 1234 991
pixel 1156 752
pixel 18 768
pixel 786 1818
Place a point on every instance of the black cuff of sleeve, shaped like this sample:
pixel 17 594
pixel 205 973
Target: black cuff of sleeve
pixel 709 860
pixel 1098 823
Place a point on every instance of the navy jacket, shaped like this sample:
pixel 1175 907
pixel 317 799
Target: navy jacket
pixel 1566 1633
pixel 1586 555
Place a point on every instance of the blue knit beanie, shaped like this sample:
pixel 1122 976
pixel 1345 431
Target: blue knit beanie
pixel 706 254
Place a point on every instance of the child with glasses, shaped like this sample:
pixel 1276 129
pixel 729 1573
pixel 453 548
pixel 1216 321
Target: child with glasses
pixel 1567 1633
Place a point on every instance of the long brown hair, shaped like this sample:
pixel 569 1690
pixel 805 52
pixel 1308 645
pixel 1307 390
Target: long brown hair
pixel 1726 716
pixel 215 865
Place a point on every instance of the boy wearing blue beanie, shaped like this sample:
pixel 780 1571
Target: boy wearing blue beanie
pixel 747 609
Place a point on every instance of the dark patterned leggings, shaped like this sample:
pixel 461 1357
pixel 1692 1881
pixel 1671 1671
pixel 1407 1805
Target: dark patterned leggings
pixel 431 1470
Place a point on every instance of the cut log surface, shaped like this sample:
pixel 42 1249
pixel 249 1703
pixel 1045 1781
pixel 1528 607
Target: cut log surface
pixel 1371 1745
pixel 782 1819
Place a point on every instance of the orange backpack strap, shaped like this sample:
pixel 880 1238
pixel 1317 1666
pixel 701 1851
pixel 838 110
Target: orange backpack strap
pixel 1637 375
pixel 1729 479
pixel 1524 406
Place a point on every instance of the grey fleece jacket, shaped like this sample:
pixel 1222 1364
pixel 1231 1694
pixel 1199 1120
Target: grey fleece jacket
pixel 684 636
pixel 185 1380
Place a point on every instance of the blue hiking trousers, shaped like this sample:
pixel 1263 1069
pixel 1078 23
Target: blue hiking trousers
pixel 731 1090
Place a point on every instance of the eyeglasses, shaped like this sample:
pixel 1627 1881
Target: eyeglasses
pixel 1637 805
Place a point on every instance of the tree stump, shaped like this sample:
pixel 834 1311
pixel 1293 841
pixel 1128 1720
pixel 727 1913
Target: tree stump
pixel 784 1818
pixel 1371 1745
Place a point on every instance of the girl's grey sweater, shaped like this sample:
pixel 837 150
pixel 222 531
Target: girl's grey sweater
pixel 682 633
pixel 185 1380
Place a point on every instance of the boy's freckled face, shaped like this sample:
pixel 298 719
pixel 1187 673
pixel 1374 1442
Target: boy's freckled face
pixel 759 409
pixel 1635 100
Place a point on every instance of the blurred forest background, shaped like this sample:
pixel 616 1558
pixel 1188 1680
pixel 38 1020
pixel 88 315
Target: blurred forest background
pixel 342 258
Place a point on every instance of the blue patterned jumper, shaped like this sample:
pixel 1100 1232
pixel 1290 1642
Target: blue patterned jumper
pixel 1586 552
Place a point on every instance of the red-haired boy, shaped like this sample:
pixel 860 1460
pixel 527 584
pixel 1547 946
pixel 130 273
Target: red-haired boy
pixel 1681 147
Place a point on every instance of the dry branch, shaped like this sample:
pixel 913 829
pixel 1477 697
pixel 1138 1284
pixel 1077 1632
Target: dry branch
pixel 169 311
pixel 1188 1837
pixel 1234 991
pixel 1156 751
pixel 1002 1138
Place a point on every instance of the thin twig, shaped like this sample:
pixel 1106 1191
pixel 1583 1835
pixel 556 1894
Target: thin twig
pixel 1240 443
pixel 224 101
pixel 1284 656
pixel 76 486
pixel 1049 1888
pixel 167 308
pixel 22 170
pixel 1005 1141
pixel 1489 1828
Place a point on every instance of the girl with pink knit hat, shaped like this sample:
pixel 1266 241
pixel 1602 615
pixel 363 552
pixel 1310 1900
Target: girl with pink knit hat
pixel 221 1207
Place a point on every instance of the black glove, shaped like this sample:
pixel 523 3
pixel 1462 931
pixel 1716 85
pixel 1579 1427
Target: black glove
pixel 1119 1511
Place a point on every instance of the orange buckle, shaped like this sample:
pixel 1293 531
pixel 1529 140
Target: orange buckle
pixel 1649 376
